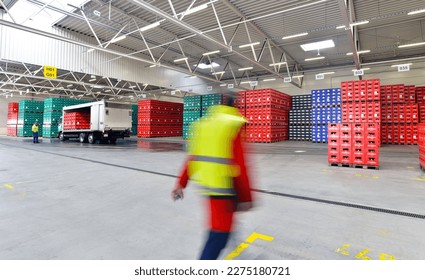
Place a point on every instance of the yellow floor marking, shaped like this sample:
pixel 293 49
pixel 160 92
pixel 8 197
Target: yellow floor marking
pixel 23 194
pixel 410 167
pixel 366 176
pixel 343 250
pixel 254 236
pixel 10 187
pixel 420 179
pixel 237 251
pixel 362 255
pixel 384 257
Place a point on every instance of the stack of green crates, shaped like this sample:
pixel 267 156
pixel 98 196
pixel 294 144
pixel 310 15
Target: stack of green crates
pixel 209 100
pixel 134 109
pixel 53 112
pixel 192 107
pixel 30 111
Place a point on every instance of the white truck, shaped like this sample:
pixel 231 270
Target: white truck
pixel 103 121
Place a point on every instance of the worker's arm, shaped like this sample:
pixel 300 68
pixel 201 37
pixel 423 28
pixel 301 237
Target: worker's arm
pixel 242 183
pixel 183 179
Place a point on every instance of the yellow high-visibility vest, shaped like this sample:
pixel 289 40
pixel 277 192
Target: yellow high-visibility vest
pixel 211 147
pixel 35 128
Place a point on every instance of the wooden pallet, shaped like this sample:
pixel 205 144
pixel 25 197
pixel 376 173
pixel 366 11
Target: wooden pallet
pixel 340 164
pixel 354 165
pixel 365 166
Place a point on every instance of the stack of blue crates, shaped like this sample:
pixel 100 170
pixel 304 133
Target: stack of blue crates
pixel 326 108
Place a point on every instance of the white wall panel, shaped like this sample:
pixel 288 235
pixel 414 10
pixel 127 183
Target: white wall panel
pixel 31 48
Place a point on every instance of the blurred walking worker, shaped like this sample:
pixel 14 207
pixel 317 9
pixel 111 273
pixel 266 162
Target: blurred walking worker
pixel 35 132
pixel 216 162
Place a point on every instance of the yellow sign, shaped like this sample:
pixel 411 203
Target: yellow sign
pixel 50 72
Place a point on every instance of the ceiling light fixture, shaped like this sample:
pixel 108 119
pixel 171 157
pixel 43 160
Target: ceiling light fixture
pixel 249 45
pixel 269 80
pixel 180 59
pixel 196 9
pixel 295 35
pixel 412 45
pixel 223 85
pixel 328 73
pixel 353 24
pixel 207 66
pixel 92 80
pixel 150 26
pixel 318 45
pixel 359 23
pixel 246 68
pixel 131 86
pixel 245 82
pixel 298 76
pixel 364 69
pixel 218 73
pixel 152 66
pixel 359 52
pixel 416 12
pixel 404 64
pixel 213 52
pixel 90 50
pixel 314 58
pixel 118 38
pixel 277 64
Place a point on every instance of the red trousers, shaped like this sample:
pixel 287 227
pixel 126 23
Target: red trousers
pixel 221 213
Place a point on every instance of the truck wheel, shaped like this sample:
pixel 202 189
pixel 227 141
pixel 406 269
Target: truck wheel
pixel 61 136
pixel 113 140
pixel 83 137
pixel 91 138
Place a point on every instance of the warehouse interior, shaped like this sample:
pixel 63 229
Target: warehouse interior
pixel 333 92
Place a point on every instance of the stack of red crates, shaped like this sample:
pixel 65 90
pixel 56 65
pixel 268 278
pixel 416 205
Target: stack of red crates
pixel 421 144
pixel 76 120
pixel 400 114
pixel 240 104
pixel 12 119
pixel 361 101
pixel 159 119
pixel 354 144
pixel 420 98
pixel 267 112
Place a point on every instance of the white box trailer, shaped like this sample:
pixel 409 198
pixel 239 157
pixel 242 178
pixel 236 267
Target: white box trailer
pixel 108 122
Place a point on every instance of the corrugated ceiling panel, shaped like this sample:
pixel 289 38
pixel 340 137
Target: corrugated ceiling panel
pixel 366 9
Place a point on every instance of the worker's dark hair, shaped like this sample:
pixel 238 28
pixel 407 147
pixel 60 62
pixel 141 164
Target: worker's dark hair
pixel 229 100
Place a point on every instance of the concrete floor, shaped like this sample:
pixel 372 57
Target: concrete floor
pixel 80 201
